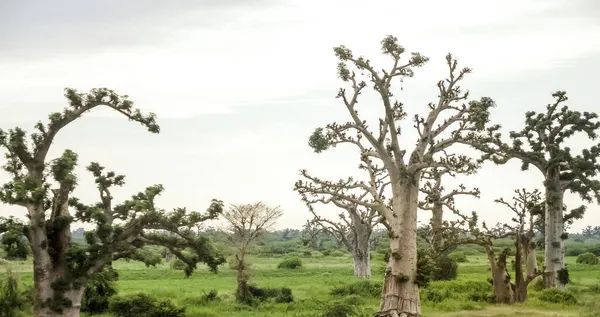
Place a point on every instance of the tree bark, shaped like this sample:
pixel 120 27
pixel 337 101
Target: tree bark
pixel 360 246
pixel 554 252
pixel 531 266
pixel 503 292
pixel 520 287
pixel 400 294
pixel 436 227
pixel 362 263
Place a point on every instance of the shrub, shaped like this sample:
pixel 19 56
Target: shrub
pixel 348 307
pixel 211 296
pixel 12 300
pixel 337 253
pixel 476 291
pixel 459 257
pixel 178 265
pixel 257 294
pixel 98 291
pixel 364 288
pixel 143 305
pixel 306 253
pixel 445 269
pixel 291 263
pixel 284 296
pixel 587 258
pixel 554 295
pixel 538 284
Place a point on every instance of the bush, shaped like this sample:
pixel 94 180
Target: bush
pixel 178 265
pixel 12 300
pixel 143 305
pixel 554 295
pixel 459 257
pixel 445 269
pixel 98 291
pixel 257 294
pixel 211 296
pixel 476 291
pixel 364 288
pixel 306 253
pixel 337 253
pixel 587 258
pixel 291 263
pixel 348 307
pixel 284 296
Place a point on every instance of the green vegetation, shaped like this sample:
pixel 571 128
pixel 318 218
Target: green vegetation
pixel 587 258
pixel 326 282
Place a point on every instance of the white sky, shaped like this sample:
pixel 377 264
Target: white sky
pixel 239 87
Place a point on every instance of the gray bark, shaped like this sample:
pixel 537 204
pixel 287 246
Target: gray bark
pixel 400 294
pixel 503 292
pixel 554 252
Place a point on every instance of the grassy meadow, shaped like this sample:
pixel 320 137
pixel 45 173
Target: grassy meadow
pixel 311 286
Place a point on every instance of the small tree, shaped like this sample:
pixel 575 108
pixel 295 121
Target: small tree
pixel 437 199
pixel 525 206
pixel 44 187
pixel 541 144
pixel 355 226
pixel 449 120
pixel 310 234
pixel 246 223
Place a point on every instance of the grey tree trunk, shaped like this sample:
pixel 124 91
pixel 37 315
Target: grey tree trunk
pixel 554 253
pixel 359 246
pixel 503 292
pixel 437 239
pixel 400 294
pixel 531 266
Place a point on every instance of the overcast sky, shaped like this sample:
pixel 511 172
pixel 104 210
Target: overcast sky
pixel 239 85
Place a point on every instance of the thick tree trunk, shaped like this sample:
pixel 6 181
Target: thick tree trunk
pixel 362 263
pixel 359 246
pixel 74 296
pixel 400 294
pixel 436 227
pixel 531 266
pixel 554 252
pixel 51 267
pixel 503 292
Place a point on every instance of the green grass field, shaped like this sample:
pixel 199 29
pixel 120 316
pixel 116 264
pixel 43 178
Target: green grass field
pixel 311 286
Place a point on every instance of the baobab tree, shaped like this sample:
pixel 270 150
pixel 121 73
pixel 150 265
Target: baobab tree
pixel 358 200
pixel 541 144
pixel 44 187
pixel 436 200
pixel 450 120
pixel 310 234
pixel 246 223
pixel 525 206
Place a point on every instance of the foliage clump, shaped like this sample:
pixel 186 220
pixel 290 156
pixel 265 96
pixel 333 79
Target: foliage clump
pixel 177 265
pixel 291 264
pixel 258 295
pixel 15 245
pixel 587 258
pixel 445 269
pixel 554 295
pixel 98 291
pixel 459 257
pixel 143 305
pixel 363 288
